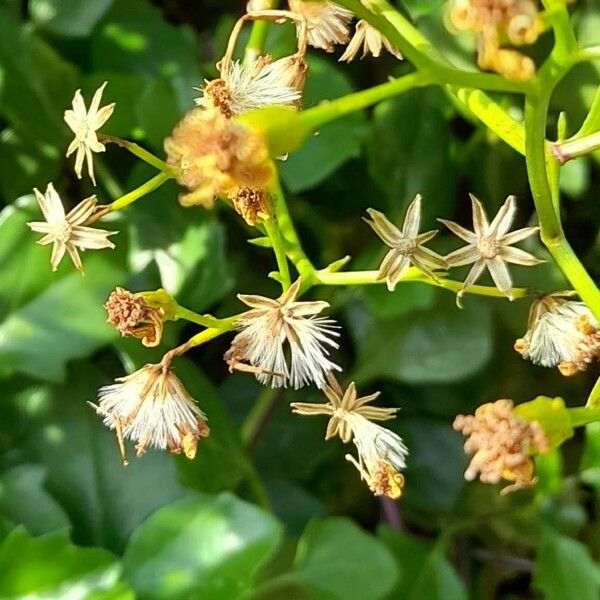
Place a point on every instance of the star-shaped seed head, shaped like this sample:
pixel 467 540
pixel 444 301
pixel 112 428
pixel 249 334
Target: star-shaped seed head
pixel 406 245
pixel 84 123
pixel 489 246
pixel 341 406
pixel 69 232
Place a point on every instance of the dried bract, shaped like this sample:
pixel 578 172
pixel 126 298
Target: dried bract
pixel 132 315
pixel 370 40
pixel 407 245
pixel 216 156
pixel 341 406
pixel 68 233
pixel 490 246
pixel 328 23
pixel 152 408
pixel 502 444
pixel 273 327
pixel 560 333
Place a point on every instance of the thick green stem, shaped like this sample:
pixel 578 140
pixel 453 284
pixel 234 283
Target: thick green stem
pixel 207 321
pixel 272 229
pixel 584 416
pixel 577 147
pixel 139 192
pixel 551 232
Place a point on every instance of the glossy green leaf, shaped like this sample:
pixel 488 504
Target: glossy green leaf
pixel 437 345
pixel 69 17
pixel 425 573
pixel 104 501
pixel 24 500
pixel 564 569
pixel 52 567
pixel 335 143
pixel 67 310
pixel 205 546
pixel 408 151
pixel 36 84
pixel 337 560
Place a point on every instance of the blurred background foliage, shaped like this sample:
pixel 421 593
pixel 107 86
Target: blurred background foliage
pixel 75 524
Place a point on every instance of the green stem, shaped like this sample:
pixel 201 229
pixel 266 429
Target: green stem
pixel 565 43
pixel 207 321
pixel 272 229
pixel 139 192
pixel 141 153
pixel 577 147
pixel 293 247
pixel 551 232
pixel 258 415
pixel 593 400
pixel 328 111
pixel 412 274
pixel 584 416
pixel 211 333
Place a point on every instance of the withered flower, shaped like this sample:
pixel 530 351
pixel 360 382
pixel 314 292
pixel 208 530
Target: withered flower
pixel 328 23
pixel 273 327
pixel 70 232
pixel 241 88
pixel 370 40
pixel 489 246
pixel 381 452
pixel 216 156
pixel 152 408
pixel 252 204
pixel 407 245
pixel 502 444
pixel 132 315
pixel 494 20
pixel 560 333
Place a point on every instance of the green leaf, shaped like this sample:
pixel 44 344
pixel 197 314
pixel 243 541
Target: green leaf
pixel 51 567
pixel 185 245
pixel 564 569
pixel 75 18
pixel 408 151
pixel 202 547
pixel 590 461
pixel 69 311
pixel 24 500
pixel 425 573
pixel 438 345
pixel 133 37
pixel 105 501
pixel 335 143
pixel 36 85
pixel 337 560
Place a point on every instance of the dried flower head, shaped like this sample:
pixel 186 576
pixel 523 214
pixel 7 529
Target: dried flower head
pixel 381 457
pixel 132 315
pixel 68 232
pixel 560 333
pixel 341 406
pixel 493 20
pixel 252 204
pixel 273 327
pixel 84 124
pixel 370 40
pixel 328 23
pixel 489 246
pixel 502 444
pixel 216 156
pixel 406 245
pixel 241 88
pixel 152 408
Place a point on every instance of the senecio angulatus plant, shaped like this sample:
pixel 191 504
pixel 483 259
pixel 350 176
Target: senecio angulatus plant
pixel 227 149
